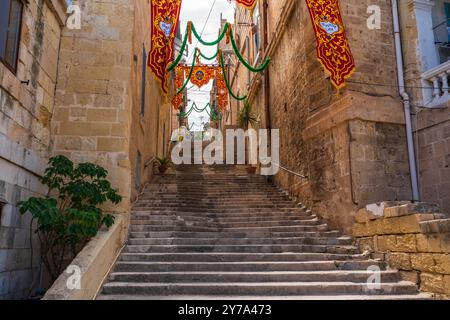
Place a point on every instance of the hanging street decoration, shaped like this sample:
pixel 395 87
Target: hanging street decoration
pixel 222 93
pixel 248 4
pixel 333 49
pixel 165 17
pixel 177 100
pixel 201 74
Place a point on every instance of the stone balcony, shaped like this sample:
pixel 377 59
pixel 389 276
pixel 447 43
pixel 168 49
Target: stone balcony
pixel 438 79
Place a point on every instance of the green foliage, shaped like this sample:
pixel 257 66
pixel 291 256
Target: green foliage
pixel 247 117
pixel 162 164
pixel 69 220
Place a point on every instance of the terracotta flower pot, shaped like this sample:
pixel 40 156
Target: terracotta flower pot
pixel 162 170
pixel 251 170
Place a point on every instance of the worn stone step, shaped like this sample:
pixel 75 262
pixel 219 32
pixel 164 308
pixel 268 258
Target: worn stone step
pixel 258 288
pixel 244 266
pixel 233 241
pixel 250 277
pixel 187 234
pixel 222 212
pixel 242 248
pixel 214 224
pixel 142 227
pixel 359 297
pixel 218 218
pixel 233 257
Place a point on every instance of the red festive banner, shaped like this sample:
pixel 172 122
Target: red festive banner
pixel 333 50
pixel 201 76
pixel 249 4
pixel 165 16
pixel 222 91
pixel 177 100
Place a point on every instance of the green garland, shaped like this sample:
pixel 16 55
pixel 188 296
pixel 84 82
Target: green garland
pixel 226 81
pixel 180 55
pixel 190 73
pixel 235 48
pixel 209 58
pixel 245 63
pixel 194 107
pixel 213 43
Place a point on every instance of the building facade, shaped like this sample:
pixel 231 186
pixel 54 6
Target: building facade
pixel 85 93
pixel 425 27
pixel 347 148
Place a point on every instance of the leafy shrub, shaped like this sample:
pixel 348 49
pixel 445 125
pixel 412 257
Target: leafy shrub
pixel 247 116
pixel 67 221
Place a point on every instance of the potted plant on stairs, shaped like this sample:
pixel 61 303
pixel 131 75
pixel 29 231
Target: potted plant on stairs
pixel 246 118
pixel 162 165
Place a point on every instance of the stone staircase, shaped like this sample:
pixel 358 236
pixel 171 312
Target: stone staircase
pixel 218 233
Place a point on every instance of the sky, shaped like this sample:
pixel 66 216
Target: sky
pixel 197 12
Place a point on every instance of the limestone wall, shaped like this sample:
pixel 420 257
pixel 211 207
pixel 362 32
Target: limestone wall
pixel 146 135
pixel 414 239
pixel 431 126
pixel 93 102
pixel 433 137
pixel 25 114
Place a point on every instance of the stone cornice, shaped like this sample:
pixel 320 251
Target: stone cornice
pixel 426 5
pixel 353 106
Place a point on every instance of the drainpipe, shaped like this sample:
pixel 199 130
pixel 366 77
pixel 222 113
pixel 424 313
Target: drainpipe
pixel 267 72
pixel 406 102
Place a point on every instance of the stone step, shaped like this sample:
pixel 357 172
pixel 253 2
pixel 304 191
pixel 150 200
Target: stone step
pixel 143 227
pixel 250 277
pixel 230 208
pixel 223 212
pixel 187 234
pixel 340 297
pixel 242 248
pixel 233 241
pixel 233 257
pixel 244 266
pixel 218 218
pixel 257 288
pixel 215 224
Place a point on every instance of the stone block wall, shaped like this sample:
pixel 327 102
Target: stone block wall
pixel 147 129
pixel 433 137
pixel 25 114
pixel 413 238
pixel 93 100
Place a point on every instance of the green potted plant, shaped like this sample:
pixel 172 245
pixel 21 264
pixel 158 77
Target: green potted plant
pixel 70 215
pixel 162 164
pixel 246 118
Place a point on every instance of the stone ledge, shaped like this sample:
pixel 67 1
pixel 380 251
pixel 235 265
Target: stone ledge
pixel 436 226
pixel 95 260
pixel 355 106
pixel 412 238
pixel 392 209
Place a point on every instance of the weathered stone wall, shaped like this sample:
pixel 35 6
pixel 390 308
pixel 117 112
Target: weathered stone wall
pixel 25 114
pixel 336 139
pixel 147 129
pixel 411 238
pixel 431 126
pixel 433 136
pixel 93 102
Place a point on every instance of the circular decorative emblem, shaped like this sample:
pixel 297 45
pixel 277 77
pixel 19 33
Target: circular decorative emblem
pixel 200 75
